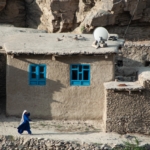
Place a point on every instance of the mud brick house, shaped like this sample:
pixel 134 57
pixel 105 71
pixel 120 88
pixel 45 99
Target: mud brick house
pixel 61 76
pixel 58 76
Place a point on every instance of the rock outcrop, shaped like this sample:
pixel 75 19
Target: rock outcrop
pixel 13 12
pixel 78 15
pixel 2 4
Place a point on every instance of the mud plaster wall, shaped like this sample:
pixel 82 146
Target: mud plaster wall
pixel 58 100
pixel 2 75
pixel 128 113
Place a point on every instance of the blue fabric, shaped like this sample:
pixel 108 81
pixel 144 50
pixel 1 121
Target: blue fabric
pixel 25 126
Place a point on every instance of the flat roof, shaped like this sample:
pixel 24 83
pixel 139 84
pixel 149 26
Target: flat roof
pixel 128 86
pixel 57 44
pixel 7 33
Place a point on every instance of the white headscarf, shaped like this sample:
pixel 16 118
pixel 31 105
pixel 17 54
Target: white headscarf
pixel 22 119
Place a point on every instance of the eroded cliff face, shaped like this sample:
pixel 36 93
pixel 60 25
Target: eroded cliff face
pixel 12 12
pixel 79 15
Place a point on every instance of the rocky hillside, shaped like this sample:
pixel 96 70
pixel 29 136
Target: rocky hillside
pixel 79 15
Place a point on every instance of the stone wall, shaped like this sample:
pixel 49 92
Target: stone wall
pixel 40 144
pixel 128 112
pixel 132 57
pixel 10 142
pixel 20 143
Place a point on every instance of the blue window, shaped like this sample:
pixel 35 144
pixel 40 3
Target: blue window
pixel 37 74
pixel 80 75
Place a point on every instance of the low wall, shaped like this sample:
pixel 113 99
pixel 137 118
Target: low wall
pixel 128 112
pixel 10 142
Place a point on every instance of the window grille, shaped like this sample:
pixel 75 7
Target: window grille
pixel 37 74
pixel 80 75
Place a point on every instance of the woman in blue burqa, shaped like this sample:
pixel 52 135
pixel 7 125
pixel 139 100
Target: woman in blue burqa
pixel 24 123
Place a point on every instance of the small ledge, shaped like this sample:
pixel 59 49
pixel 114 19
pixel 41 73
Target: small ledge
pixel 127 86
pixel 137 43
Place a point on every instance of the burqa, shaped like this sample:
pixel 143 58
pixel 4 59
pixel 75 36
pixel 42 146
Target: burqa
pixel 24 124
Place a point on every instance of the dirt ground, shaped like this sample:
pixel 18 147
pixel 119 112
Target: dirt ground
pixel 79 131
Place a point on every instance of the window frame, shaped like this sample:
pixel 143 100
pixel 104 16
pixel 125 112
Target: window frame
pixel 37 81
pixel 80 82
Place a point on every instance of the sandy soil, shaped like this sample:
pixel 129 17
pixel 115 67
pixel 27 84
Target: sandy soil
pixel 79 131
